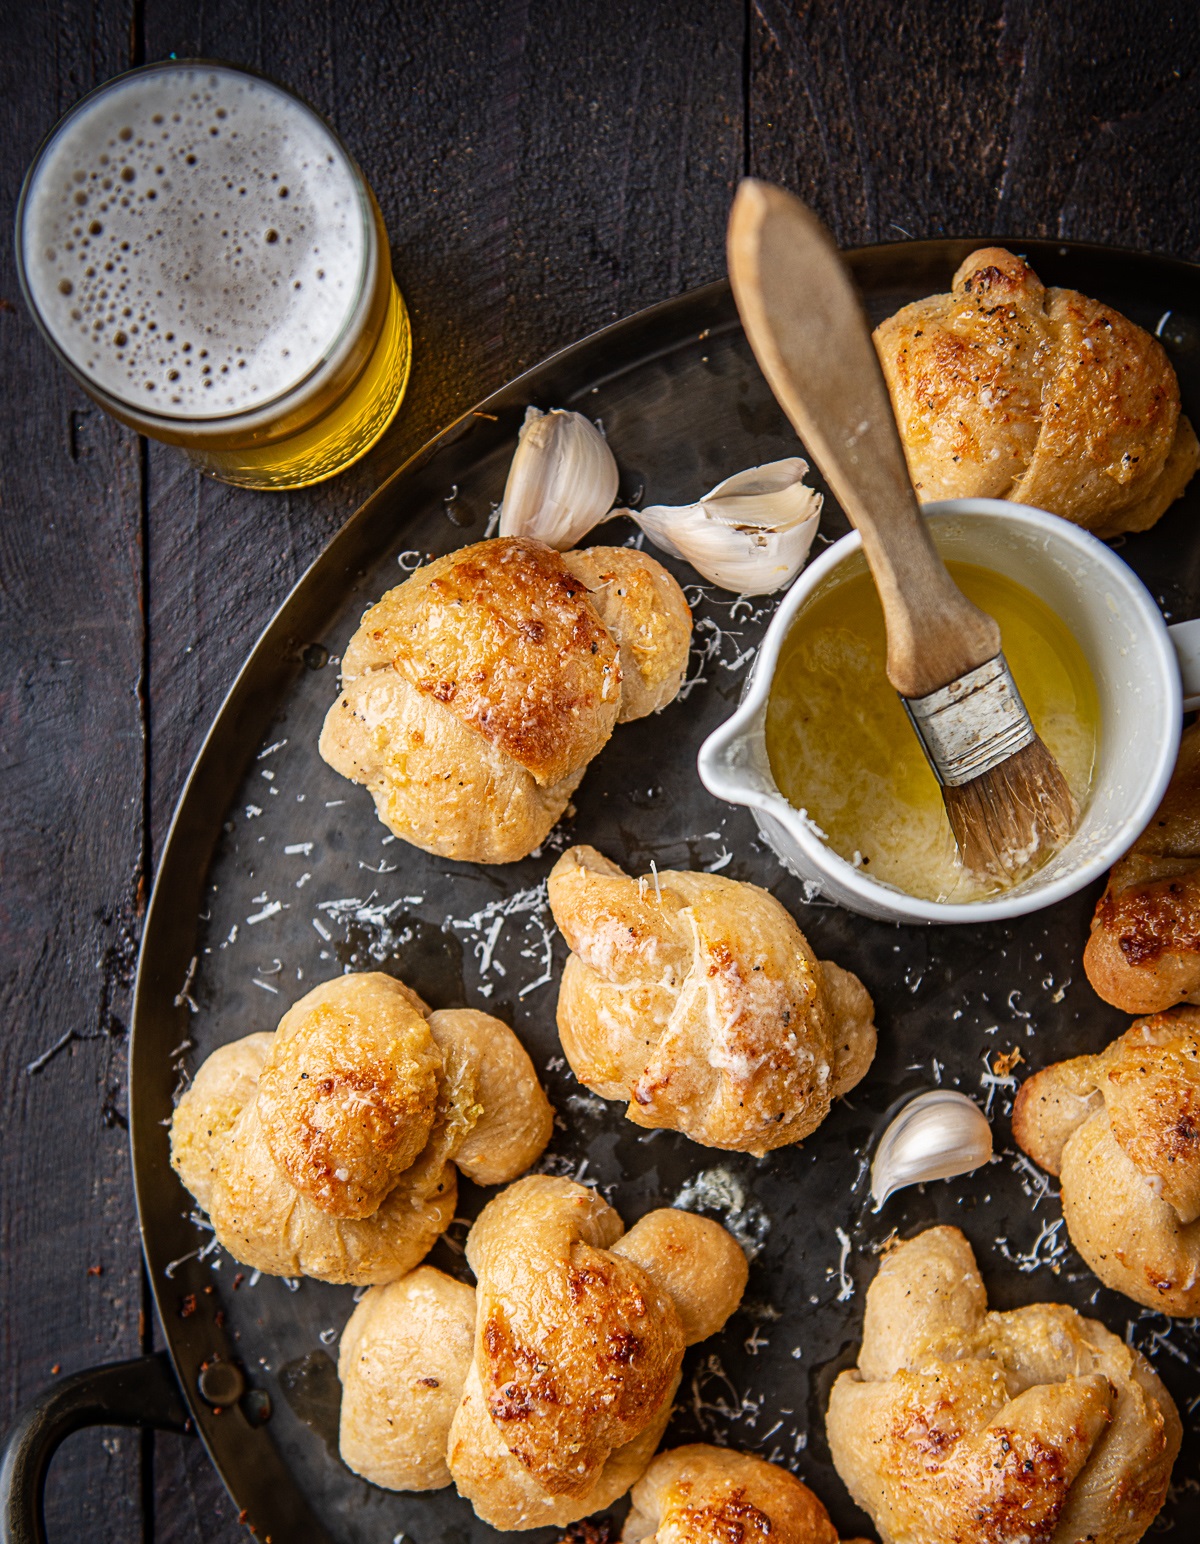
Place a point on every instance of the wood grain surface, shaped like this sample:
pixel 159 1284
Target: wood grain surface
pixel 542 171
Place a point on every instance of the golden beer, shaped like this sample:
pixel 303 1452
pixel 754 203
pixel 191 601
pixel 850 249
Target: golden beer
pixel 207 260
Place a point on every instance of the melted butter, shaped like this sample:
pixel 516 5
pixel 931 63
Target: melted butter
pixel 843 752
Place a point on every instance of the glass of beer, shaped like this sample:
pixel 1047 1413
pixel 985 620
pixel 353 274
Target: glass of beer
pixel 205 257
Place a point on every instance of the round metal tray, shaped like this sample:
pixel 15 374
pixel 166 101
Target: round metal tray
pixel 277 874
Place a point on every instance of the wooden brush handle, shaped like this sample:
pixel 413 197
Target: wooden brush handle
pixel 812 340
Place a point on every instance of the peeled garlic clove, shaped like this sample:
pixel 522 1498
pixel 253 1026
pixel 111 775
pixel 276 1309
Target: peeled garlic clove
pixel 750 534
pixel 935 1136
pixel 562 481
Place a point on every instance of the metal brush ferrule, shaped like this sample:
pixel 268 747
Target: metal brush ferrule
pixel 972 725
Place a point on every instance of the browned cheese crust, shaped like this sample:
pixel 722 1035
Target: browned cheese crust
pixel 348 1092
pixel 325 1149
pixel 709 1495
pixel 475 694
pixel 578 1345
pixel 505 636
pixel 697 999
pixel 1006 389
pixel 961 1426
pixel 1143 953
pixel 1122 1130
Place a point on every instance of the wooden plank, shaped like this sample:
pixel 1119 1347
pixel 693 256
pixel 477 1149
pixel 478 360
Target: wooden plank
pixel 540 175
pixel 71 801
pixel 1068 121
pixel 190 1505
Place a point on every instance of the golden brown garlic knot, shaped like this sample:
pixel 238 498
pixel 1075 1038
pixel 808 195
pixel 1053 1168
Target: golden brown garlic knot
pixel 1122 1131
pixel 579 1333
pixel 709 1495
pixel 328 1149
pixel 1006 389
pixel 476 693
pixel 1143 953
pixel 960 1424
pixel 697 999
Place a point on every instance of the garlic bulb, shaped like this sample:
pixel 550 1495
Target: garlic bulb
pixel 750 534
pixel 935 1136
pixel 562 481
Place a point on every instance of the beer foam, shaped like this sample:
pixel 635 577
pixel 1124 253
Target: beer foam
pixel 195 241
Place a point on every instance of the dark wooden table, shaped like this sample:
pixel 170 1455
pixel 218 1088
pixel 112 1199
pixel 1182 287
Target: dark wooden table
pixel 542 170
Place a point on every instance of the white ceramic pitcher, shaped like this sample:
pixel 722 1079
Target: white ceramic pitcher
pixel 1146 675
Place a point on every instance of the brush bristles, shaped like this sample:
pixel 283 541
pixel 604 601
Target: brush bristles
pixel 1008 822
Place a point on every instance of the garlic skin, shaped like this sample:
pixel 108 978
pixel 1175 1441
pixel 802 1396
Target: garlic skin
pixel 562 481
pixel 935 1136
pixel 750 534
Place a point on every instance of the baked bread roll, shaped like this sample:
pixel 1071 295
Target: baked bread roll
pixel 960 1424
pixel 709 1495
pixel 576 1335
pixel 1122 1132
pixel 328 1148
pixel 475 693
pixel 403 1360
pixel 698 1000
pixel 579 1339
pixel 1005 389
pixel 1143 954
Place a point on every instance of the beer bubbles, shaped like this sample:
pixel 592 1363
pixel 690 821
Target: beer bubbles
pixel 195 241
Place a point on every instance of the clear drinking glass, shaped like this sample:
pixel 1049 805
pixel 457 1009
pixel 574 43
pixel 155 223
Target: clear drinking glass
pixel 204 256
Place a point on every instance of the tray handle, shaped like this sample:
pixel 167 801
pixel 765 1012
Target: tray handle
pixel 142 1392
pixel 1186 638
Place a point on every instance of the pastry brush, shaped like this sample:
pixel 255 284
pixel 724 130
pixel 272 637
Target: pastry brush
pixel 1006 798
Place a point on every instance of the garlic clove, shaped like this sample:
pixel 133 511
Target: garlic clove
pixel 562 481
pixel 751 533
pixel 935 1136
